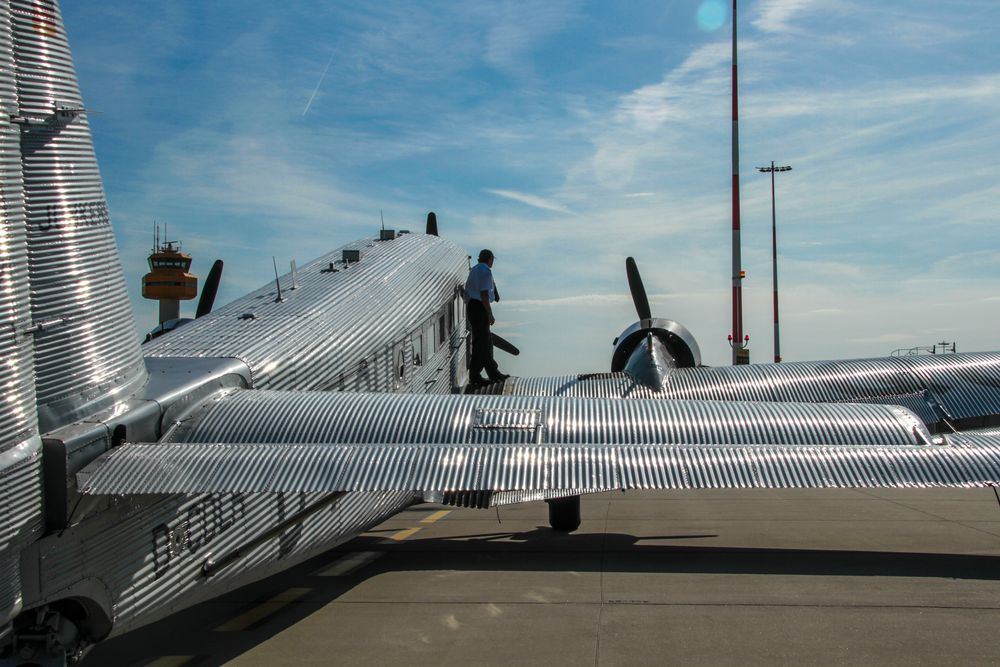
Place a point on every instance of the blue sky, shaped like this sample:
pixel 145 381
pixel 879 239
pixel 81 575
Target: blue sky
pixel 566 136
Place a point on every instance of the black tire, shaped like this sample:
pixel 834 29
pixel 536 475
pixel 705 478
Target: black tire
pixel 564 513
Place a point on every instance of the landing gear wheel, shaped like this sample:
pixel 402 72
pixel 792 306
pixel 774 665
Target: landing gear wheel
pixel 564 513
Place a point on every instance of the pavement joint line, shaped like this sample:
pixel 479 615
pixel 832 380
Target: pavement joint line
pixel 613 603
pixel 440 514
pixel 169 661
pixel 957 522
pixel 349 563
pixel 403 534
pixel 262 610
pixel 600 612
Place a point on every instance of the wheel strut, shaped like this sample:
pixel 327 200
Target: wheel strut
pixel 564 513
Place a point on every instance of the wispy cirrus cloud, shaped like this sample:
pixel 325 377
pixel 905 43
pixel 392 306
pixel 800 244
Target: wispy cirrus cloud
pixel 610 134
pixel 531 200
pixel 777 15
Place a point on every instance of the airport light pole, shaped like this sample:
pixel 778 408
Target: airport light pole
pixel 774 255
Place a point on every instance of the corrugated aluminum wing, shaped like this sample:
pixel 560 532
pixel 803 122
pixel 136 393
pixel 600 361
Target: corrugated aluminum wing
pixel 966 385
pixel 286 468
pixel 934 387
pixel 313 441
pixel 335 417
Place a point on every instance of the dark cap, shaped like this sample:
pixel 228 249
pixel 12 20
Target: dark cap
pixel 485 255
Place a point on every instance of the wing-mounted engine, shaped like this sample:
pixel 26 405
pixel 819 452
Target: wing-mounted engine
pixel 652 347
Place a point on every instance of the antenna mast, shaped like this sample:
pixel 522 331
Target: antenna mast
pixel 277 282
pixel 737 341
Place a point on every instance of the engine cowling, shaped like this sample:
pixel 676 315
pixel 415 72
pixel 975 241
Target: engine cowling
pixel 658 343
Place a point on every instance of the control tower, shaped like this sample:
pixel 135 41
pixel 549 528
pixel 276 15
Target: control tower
pixel 168 280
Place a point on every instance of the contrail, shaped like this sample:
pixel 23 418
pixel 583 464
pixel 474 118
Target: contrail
pixel 318 84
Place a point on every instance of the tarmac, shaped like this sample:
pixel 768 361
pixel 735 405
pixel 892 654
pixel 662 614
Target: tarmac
pixel 705 577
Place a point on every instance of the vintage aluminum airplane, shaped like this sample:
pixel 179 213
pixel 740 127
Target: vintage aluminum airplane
pixel 137 481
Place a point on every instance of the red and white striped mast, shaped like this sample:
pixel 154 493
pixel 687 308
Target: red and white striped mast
pixel 737 342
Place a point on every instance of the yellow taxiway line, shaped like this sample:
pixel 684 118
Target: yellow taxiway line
pixel 263 610
pixel 403 534
pixel 434 517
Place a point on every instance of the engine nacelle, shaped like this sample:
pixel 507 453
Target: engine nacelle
pixel 678 343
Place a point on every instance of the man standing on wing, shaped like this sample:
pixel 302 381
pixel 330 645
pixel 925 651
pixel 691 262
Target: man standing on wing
pixel 481 292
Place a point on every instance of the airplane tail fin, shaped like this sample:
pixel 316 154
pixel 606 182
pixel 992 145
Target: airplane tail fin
pixel 20 444
pixel 86 350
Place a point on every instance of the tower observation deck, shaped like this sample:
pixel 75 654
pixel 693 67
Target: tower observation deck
pixel 169 280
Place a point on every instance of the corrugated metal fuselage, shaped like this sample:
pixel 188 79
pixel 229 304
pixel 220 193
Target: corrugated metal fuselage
pixel 391 322
pixel 145 557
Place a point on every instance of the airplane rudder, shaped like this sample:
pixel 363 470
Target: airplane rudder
pixel 86 346
pixel 20 444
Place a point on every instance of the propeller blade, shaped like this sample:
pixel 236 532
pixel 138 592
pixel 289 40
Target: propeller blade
pixel 638 291
pixel 432 224
pixel 505 345
pixel 209 290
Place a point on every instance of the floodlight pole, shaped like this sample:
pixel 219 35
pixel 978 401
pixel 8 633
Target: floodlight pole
pixel 774 256
pixel 737 341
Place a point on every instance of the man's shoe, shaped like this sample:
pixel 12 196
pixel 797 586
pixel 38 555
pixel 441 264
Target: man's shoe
pixel 499 377
pixel 479 382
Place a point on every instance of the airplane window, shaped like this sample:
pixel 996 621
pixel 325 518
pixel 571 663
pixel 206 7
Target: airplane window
pixel 418 346
pixel 399 364
pixel 441 331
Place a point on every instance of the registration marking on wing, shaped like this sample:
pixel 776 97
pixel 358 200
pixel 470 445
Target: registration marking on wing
pixel 349 563
pixel 263 610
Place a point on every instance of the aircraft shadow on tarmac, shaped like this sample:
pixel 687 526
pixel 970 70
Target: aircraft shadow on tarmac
pixel 541 549
pixel 628 553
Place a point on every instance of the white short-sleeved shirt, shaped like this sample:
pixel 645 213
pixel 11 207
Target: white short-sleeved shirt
pixel 480 280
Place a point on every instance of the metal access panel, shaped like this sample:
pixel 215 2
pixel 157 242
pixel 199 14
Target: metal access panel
pixel 507 425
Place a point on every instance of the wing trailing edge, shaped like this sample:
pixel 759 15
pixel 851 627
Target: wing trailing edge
pixel 177 468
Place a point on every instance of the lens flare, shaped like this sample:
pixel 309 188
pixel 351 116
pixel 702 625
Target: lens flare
pixel 712 14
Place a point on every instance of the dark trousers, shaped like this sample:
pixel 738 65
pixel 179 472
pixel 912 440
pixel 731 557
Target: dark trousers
pixel 482 341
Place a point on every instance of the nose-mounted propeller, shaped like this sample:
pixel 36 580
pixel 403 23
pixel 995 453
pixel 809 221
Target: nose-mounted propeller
pixel 635 285
pixel 652 347
pixel 211 288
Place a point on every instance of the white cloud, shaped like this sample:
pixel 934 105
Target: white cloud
pixel 777 15
pixel 531 200
pixel 888 215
